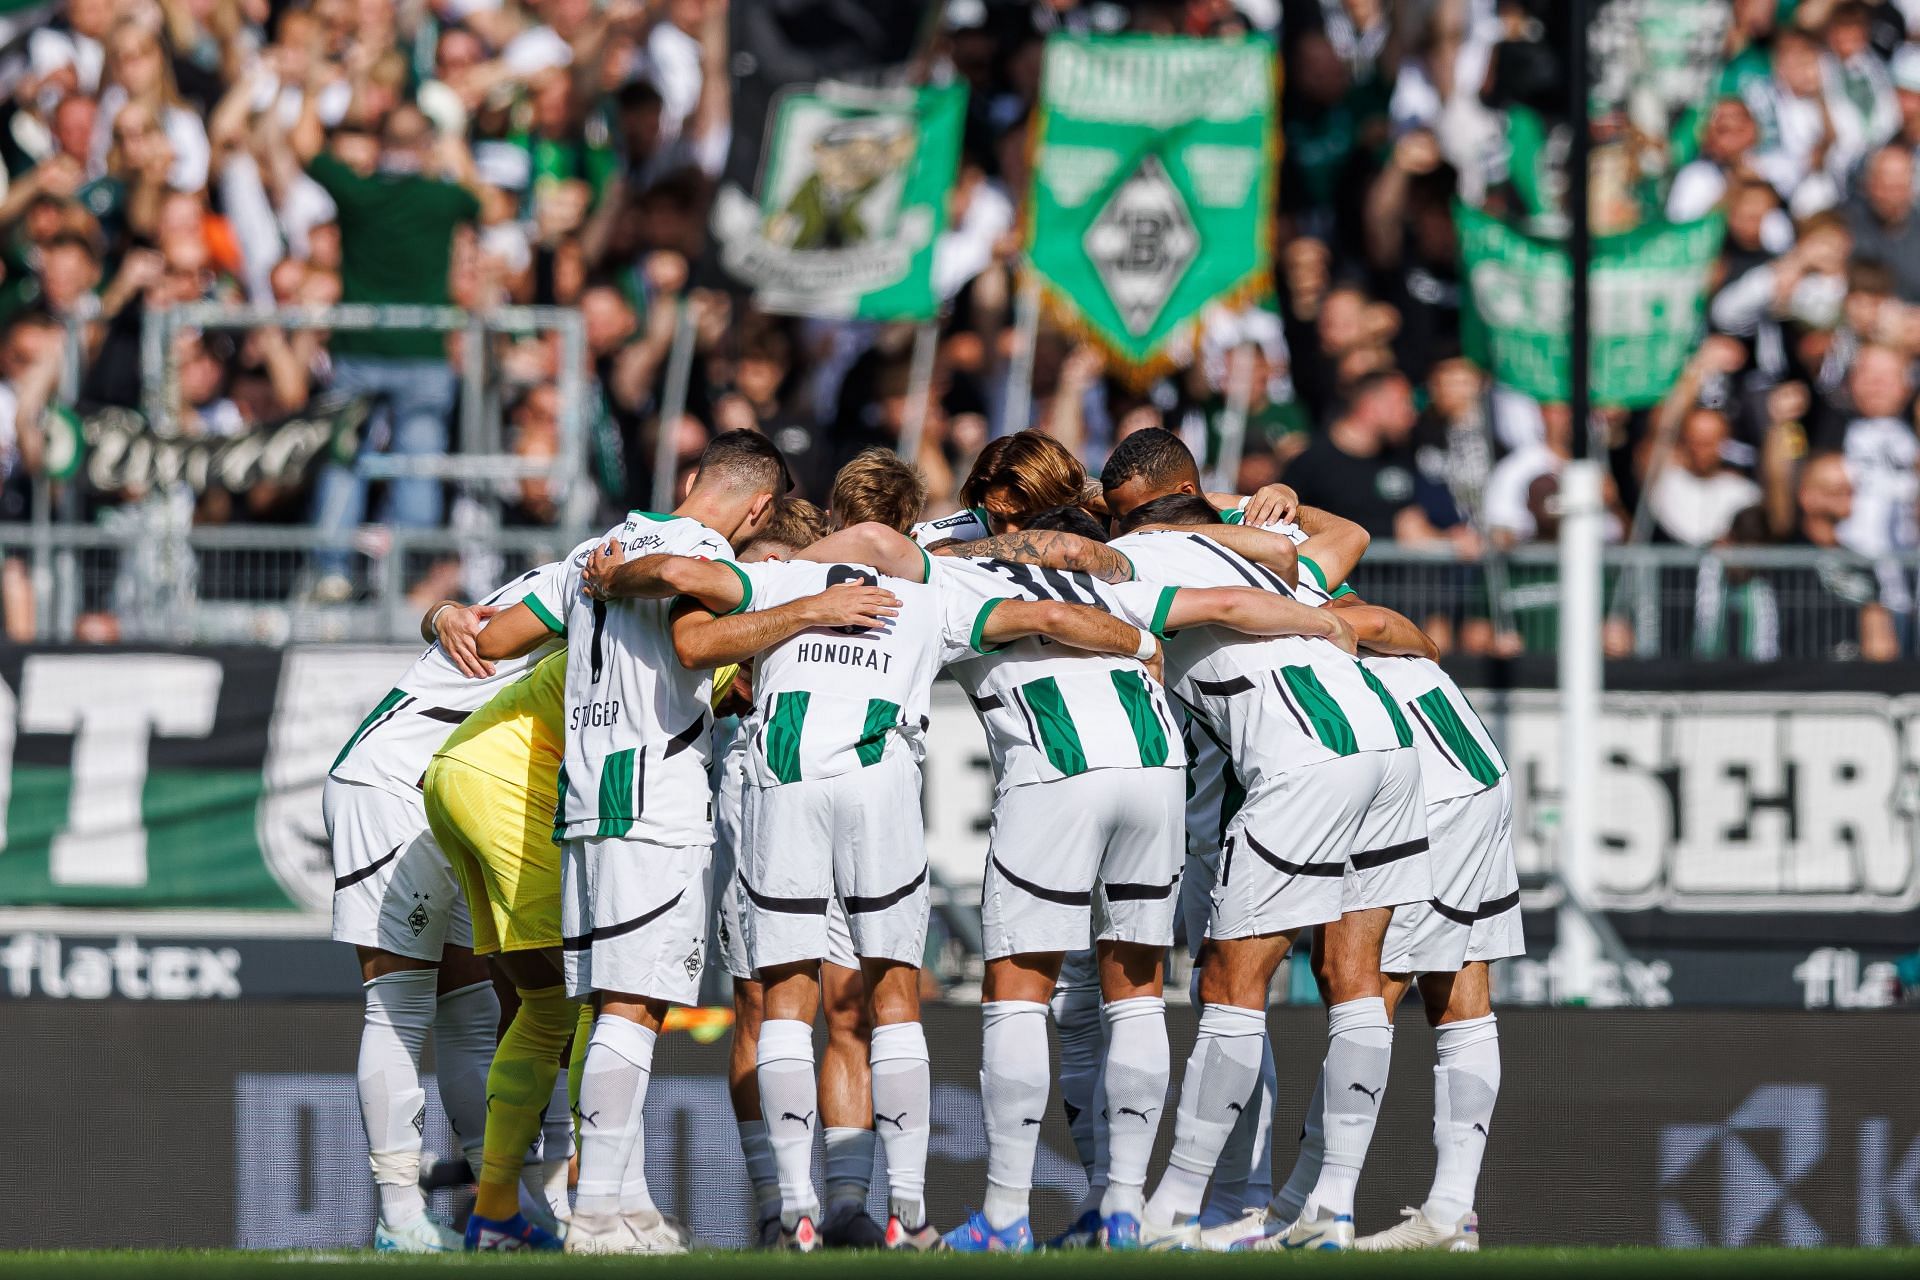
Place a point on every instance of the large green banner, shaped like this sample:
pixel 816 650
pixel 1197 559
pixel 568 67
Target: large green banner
pixel 1153 181
pixel 1648 290
pixel 849 192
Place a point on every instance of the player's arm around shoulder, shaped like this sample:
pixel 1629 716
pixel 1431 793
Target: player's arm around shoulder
pixel 1263 547
pixel 702 639
pixel 719 585
pixel 1076 625
pixel 1255 613
pixel 1051 548
pixel 1334 543
pixel 1381 631
pixel 513 632
pixel 874 545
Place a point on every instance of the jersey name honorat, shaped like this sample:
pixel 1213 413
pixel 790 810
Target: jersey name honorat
pixel 842 653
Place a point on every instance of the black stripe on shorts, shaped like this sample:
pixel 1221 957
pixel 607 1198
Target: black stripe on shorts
pixel 353 878
pixel 860 906
pixel 625 927
pixel 1329 870
pixel 1063 897
pixel 1392 853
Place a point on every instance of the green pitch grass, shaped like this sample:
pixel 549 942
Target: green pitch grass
pixel 1508 1264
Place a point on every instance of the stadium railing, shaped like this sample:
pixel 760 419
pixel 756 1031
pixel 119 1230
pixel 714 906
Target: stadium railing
pixel 167 580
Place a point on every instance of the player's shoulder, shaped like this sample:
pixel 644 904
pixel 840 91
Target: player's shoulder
pixel 967 524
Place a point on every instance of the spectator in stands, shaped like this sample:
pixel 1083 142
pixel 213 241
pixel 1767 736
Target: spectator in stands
pixel 396 246
pixel 1876 437
pixel 1362 467
pixel 1695 495
pixel 1881 218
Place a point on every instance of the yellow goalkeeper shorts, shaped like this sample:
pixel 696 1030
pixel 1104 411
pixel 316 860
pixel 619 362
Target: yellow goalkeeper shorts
pixel 499 838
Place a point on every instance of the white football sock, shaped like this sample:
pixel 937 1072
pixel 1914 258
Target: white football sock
pixel 1013 1096
pixel 761 1173
pixel 1220 1078
pixel 789 1100
pixel 902 1101
pixel 1359 1051
pixel 635 1196
pixel 1244 1175
pixel 1465 1086
pixel 1138 1064
pixel 1076 1015
pixel 1292 1197
pixel 466 1029
pixel 1097 1179
pixel 393 1104
pixel 849 1171
pixel 613 1091
pixel 544 1176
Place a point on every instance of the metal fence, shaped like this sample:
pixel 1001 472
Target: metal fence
pixel 161 579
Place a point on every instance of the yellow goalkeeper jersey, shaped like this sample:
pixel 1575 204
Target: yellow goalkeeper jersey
pixel 517 737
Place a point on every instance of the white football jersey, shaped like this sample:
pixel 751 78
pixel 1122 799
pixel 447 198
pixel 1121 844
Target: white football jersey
pixel 1279 703
pixel 967 524
pixel 394 744
pixel 1458 756
pixel 1051 712
pixel 1314 588
pixel 638 724
pixel 834 699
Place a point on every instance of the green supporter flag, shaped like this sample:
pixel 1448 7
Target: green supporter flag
pixel 1648 292
pixel 850 196
pixel 1153 181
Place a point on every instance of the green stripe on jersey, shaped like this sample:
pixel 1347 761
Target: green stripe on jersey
pixel 1329 722
pixel 539 611
pixel 1148 733
pixel 617 800
pixel 1465 747
pixel 1058 737
pixel 380 708
pixel 783 733
pixel 1401 729
pixel 881 717
pixel 560 805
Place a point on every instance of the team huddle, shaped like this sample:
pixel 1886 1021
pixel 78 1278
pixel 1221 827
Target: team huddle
pixel 698 739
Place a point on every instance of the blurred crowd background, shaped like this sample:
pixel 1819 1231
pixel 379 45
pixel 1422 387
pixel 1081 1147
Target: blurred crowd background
pixel 158 152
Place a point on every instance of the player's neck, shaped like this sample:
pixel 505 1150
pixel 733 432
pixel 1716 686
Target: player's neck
pixel 720 514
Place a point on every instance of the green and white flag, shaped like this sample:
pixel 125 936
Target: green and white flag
pixel 838 212
pixel 1648 291
pixel 1153 181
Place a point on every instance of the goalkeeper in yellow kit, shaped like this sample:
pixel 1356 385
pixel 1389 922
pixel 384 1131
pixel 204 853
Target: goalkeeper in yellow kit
pixel 491 792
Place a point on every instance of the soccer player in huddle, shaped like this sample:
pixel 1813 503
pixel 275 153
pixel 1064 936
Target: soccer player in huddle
pixel 1086 839
pixel 1443 945
pixel 395 900
pixel 634 817
pixel 832 765
pixel 1332 833
pixel 876 487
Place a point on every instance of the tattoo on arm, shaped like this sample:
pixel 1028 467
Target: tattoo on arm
pixel 1054 549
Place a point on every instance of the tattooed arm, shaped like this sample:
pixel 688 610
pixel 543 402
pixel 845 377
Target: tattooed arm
pixel 1051 548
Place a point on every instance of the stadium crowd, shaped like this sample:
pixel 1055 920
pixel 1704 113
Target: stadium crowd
pixel 564 152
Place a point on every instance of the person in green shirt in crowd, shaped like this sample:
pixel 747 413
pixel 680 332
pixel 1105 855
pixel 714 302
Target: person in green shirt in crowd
pixel 396 245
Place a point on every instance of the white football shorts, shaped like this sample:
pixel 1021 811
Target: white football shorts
pixel 856 837
pixel 1391 862
pixel 1474 912
pixel 393 888
pixel 634 916
pixel 1095 854
pixel 1291 847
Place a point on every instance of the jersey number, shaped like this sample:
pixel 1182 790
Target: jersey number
pixel 840 573
pixel 1047 584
